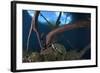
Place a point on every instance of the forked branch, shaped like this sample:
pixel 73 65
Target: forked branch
pixel 34 25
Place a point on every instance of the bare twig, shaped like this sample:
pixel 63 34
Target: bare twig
pixel 45 19
pixel 82 52
pixel 57 22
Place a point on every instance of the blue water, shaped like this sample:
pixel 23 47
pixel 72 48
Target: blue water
pixel 78 38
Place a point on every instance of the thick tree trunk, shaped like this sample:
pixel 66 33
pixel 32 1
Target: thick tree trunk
pixel 79 24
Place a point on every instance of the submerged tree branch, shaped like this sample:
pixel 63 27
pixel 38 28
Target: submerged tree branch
pixel 82 52
pixel 58 22
pixel 46 19
pixel 34 26
pixel 66 27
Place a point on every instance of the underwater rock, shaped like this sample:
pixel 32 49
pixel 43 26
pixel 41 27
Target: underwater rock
pixel 75 55
pixel 34 57
pixel 72 55
pixel 60 48
pixel 53 53
pixel 48 54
